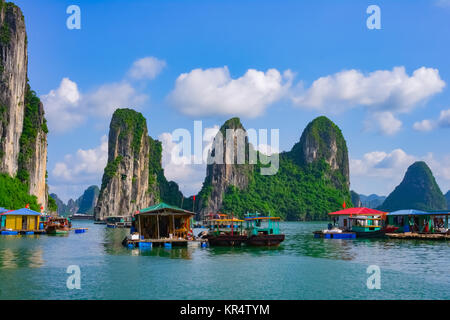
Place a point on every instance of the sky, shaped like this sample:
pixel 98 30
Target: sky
pixel 275 64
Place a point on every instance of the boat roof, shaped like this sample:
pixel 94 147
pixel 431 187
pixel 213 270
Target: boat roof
pixel 413 212
pixel 358 211
pixel 228 220
pixel 262 218
pixel 164 207
pixel 22 212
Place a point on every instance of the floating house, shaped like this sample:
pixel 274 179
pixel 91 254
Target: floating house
pixel 22 220
pixel 353 223
pixel 417 221
pixel 161 224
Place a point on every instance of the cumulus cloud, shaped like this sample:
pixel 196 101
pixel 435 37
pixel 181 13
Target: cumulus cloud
pixel 79 170
pixel 83 166
pixel 214 92
pixel 424 125
pixel 184 171
pixel 384 122
pixel 380 90
pixel 62 108
pixel 428 125
pixel 380 172
pixel 66 108
pixel 146 68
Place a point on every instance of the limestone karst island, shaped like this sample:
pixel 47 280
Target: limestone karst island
pixel 224 151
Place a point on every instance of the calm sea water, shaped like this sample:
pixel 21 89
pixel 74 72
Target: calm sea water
pixel 35 267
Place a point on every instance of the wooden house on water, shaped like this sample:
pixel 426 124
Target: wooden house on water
pixel 20 221
pixel 416 224
pixel 161 224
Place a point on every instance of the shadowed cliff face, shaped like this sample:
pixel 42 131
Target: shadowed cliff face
pixel 23 129
pixel 223 169
pixel 13 59
pixel 125 184
pixel 418 190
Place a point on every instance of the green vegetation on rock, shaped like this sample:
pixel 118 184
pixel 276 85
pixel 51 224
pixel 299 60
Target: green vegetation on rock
pixel 418 190
pixel 33 122
pixel 128 121
pixel 14 194
pixel 294 193
pixel 110 171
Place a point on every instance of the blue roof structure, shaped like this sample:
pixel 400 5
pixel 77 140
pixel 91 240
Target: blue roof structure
pixel 413 212
pixel 3 210
pixel 22 212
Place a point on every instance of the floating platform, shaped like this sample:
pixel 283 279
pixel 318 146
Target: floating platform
pixel 80 230
pixel 168 243
pixel 334 235
pixel 419 236
pixel 21 232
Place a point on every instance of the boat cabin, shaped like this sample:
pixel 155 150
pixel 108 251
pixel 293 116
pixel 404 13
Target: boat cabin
pixel 163 221
pixel 20 220
pixel 256 224
pixel 418 221
pixel 230 226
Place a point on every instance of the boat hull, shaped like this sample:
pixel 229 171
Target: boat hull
pixel 265 240
pixel 226 240
pixel 371 234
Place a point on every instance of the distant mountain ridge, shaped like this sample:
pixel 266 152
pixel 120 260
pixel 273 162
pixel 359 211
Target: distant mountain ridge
pixel 84 204
pixel 372 201
pixel 447 197
pixel 418 190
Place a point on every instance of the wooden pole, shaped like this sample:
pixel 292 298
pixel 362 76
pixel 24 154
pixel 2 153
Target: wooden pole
pixel 157 224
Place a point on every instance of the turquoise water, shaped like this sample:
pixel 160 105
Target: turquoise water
pixel 34 267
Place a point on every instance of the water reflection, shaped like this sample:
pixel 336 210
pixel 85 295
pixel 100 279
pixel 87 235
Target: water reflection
pixel 11 258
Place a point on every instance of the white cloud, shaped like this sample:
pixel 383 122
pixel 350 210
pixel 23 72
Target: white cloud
pixel 384 122
pixel 146 68
pixel 85 166
pixel 213 91
pixel 108 97
pixel 66 108
pixel 380 172
pixel 428 125
pixel 424 125
pixel 188 175
pixel 444 118
pixel 62 108
pixel 380 90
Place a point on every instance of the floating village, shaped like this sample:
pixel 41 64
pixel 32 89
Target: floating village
pixel 170 226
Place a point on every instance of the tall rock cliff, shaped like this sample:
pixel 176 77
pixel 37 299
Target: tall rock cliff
pixel 125 183
pixel 86 203
pixel 227 166
pixel 13 80
pixel 311 180
pixel 418 190
pixel 323 140
pixel 23 128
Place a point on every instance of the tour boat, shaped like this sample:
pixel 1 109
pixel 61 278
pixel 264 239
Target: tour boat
pixel 263 231
pixel 58 225
pixel 226 232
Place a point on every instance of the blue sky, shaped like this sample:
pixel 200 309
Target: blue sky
pixel 276 64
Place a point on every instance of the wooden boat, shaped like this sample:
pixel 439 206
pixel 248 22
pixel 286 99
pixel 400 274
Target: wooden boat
pixel 226 232
pixel 367 227
pixel 263 231
pixel 58 226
